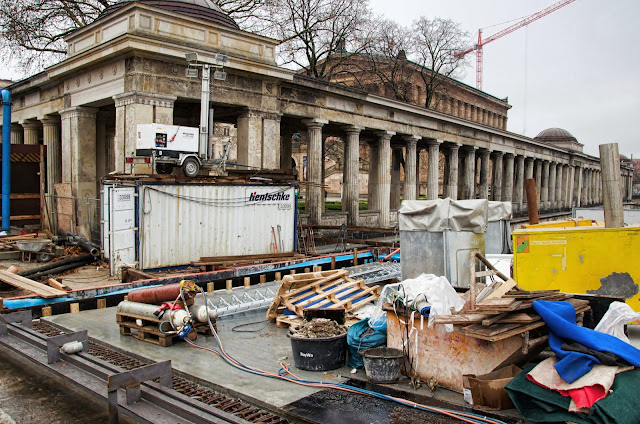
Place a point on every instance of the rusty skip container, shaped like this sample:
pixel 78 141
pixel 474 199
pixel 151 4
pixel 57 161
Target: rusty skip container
pixel 170 224
pixel 437 236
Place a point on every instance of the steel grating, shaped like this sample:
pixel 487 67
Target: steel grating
pixel 188 388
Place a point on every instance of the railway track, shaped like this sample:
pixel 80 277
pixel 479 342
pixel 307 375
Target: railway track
pixel 185 402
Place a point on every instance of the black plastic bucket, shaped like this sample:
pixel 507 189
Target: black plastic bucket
pixel 321 354
pixel 383 364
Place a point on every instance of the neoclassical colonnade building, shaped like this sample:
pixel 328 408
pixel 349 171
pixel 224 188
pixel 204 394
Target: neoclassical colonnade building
pixel 128 68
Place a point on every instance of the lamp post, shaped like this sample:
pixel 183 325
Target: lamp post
pixel 206 119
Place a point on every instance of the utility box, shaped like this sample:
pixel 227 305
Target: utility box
pixel 166 140
pixel 437 237
pixel 591 260
pixel 498 237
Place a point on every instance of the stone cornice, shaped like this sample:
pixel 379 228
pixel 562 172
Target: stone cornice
pixel 78 112
pixel 137 97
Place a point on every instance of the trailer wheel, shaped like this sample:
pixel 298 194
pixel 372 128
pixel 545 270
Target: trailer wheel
pixel 190 167
pixel 164 168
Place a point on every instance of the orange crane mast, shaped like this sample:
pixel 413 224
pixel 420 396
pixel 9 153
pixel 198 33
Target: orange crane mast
pixel 526 21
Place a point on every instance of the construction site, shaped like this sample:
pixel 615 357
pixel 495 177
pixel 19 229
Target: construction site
pixel 192 233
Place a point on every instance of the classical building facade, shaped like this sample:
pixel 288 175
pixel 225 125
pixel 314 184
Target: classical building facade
pixel 128 68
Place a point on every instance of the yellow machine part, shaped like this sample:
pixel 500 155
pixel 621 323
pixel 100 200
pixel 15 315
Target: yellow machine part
pixel 593 260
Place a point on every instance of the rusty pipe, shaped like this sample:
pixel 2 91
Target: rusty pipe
pixel 160 294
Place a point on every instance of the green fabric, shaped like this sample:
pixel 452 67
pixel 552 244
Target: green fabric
pixel 538 404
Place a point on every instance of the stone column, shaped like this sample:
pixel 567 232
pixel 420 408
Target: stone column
pixel 538 178
pixel 558 197
pixel 286 150
pixel 373 176
pixel 483 188
pixel 133 108
pixel 271 141
pixel 579 185
pixel 31 132
pixel 507 186
pixel 17 134
pixel 585 187
pixel 315 191
pixel 79 160
pixel 552 185
pixel 383 179
pixel 433 171
pixel 395 193
pixel 469 179
pixel 410 171
pixel 518 195
pixel 351 187
pixel 418 150
pixel 496 186
pixel 630 188
pixel 51 129
pixel 451 188
pixel 572 178
pixel 566 198
pixel 592 186
pixel 544 187
pixel 249 139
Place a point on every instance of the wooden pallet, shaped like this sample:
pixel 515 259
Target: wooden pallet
pixel 342 292
pixel 150 332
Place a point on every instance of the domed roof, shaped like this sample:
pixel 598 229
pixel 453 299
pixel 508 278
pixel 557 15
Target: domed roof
pixel 200 9
pixel 554 135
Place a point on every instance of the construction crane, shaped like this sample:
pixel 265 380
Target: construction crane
pixel 526 21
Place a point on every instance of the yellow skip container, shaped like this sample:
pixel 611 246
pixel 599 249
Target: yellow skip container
pixel 593 260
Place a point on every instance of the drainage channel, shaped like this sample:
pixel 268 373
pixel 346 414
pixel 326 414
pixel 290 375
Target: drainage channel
pixel 230 407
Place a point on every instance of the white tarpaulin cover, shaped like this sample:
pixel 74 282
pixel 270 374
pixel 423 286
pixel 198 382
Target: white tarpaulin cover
pixel 436 216
pixel 499 211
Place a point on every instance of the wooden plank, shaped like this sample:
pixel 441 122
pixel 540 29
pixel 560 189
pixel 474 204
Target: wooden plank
pixel 250 257
pixel 496 303
pixel 520 318
pixel 491 320
pixel 30 285
pixel 57 285
pixel 510 333
pixel 530 294
pixel 24 217
pixel 15 196
pixel 480 330
pixel 461 319
pixel 502 290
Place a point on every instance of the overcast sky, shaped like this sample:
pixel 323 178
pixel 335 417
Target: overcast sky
pixel 577 68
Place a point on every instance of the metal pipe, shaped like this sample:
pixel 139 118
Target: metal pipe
pixel 59 269
pixel 58 264
pixel 6 160
pixel 90 247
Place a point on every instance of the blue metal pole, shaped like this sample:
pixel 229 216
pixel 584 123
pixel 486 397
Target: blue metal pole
pixel 6 159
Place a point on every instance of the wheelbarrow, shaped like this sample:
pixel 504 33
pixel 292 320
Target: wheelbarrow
pixel 39 247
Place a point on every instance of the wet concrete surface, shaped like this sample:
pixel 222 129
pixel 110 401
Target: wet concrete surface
pixel 336 407
pixel 31 397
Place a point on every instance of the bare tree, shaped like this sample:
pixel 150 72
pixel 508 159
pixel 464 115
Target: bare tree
pixel 384 59
pixel 32 31
pixel 435 44
pixel 316 34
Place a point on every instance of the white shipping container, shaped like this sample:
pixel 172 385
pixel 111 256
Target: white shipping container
pixel 180 223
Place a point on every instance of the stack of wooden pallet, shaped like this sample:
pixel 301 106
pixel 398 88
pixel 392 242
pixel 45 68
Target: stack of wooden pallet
pixel 512 314
pixel 318 290
pixel 223 262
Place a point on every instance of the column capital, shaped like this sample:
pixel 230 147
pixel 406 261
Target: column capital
pixel 29 124
pixel 467 148
pixel 78 112
pixel 352 129
pixel 434 142
pixel 50 120
pixel 144 98
pixel 411 138
pixel 384 134
pixel 315 122
pixel 497 153
pixel 454 146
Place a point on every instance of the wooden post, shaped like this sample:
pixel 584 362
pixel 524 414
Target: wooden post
pixel 532 201
pixel 292 272
pixel 263 278
pixel 611 185
pixel 317 268
pixel 247 281
pixel 307 270
pixel 74 308
pixel 102 303
pixel 472 280
pixel 278 276
pixel 47 311
pixel 229 285
pixel 355 257
pixel 209 287
pixel 333 262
